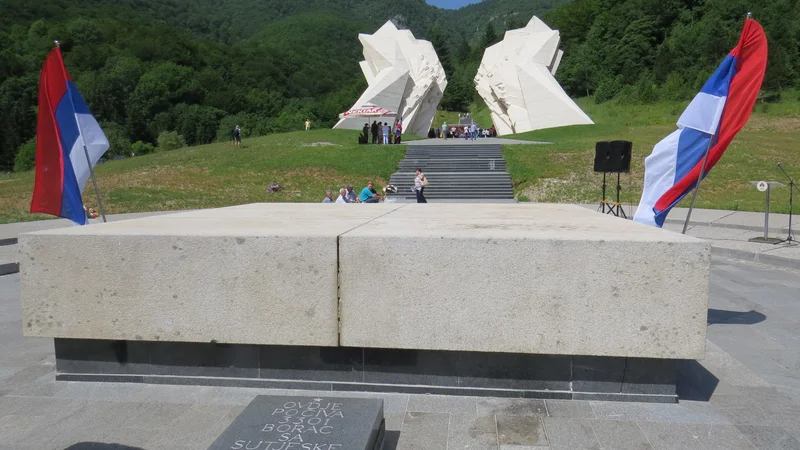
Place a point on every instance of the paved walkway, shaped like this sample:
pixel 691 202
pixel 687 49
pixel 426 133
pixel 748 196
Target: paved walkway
pixel 744 395
pixel 730 231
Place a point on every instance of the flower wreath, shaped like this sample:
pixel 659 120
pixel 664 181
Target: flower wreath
pixel 91 212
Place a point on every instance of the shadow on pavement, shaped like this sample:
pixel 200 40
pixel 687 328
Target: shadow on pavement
pixel 720 316
pixel 391 439
pixel 695 382
pixel 100 446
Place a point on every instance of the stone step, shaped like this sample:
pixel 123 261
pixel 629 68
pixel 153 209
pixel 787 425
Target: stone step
pixel 452 179
pixel 458 171
pixel 8 267
pixel 452 162
pixel 475 194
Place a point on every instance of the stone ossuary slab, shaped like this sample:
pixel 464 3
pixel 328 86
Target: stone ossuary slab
pixel 253 274
pixel 284 423
pixel 547 279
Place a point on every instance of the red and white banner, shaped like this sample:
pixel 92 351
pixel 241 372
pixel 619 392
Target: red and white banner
pixel 369 111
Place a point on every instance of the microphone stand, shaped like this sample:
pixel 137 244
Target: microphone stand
pixel 792 187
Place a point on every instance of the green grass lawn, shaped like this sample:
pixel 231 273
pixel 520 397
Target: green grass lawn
pixel 562 172
pixel 219 175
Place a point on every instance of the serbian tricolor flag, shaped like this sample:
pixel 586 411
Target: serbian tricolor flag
pixel 711 121
pixel 64 128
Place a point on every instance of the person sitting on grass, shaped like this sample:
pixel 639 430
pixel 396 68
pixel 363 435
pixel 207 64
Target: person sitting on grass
pixel 352 197
pixel 328 197
pixel 342 198
pixel 369 195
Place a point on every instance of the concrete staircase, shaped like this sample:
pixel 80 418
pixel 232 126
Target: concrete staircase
pixel 461 171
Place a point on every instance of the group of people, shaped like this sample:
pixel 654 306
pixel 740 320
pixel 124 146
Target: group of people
pixel 467 132
pixel 370 195
pixel 349 195
pixel 389 134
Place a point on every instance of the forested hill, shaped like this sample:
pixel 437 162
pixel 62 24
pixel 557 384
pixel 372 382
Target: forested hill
pixel 198 67
pixel 226 21
pixel 643 50
pixel 471 20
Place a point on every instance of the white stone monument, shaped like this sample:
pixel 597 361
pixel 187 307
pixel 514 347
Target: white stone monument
pixel 516 80
pixel 404 75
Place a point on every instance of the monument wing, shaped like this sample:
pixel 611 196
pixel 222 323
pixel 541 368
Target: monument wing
pixel 404 75
pixel 517 81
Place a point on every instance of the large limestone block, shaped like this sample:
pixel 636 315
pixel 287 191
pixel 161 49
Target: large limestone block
pixel 254 274
pixel 546 279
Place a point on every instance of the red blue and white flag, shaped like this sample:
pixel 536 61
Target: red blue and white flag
pixel 64 127
pixel 709 123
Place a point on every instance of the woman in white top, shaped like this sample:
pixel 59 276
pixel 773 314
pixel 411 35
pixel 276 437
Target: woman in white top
pixel 342 196
pixel 419 186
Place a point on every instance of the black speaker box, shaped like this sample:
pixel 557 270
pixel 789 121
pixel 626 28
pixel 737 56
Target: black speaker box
pixel 613 157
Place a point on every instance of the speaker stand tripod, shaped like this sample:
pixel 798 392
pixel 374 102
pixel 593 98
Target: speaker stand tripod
pixel 606 207
pixel 616 209
pixel 792 186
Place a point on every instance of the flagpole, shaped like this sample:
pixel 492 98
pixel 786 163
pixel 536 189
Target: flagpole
pixel 94 182
pixel 88 159
pixel 703 168
pixel 697 188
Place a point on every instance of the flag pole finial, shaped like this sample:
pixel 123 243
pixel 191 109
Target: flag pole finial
pixel 749 14
pixel 58 44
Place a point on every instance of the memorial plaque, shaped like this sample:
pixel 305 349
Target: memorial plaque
pixel 306 423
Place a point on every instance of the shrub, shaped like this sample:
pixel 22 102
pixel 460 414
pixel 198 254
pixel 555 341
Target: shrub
pixel 26 156
pixel 675 88
pixel 608 89
pixel 140 148
pixel 646 91
pixel 119 144
pixel 170 140
pixel 251 124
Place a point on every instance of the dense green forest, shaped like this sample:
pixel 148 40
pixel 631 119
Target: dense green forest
pixel 643 50
pixel 175 71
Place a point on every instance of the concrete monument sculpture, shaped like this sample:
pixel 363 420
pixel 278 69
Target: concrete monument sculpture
pixel 516 80
pixel 404 75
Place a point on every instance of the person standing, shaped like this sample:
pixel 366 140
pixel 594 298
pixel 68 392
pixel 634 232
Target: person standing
pixel 365 132
pixel 374 132
pixel 419 186
pixel 398 132
pixel 474 131
pixel 308 124
pixel 466 132
pixel 386 132
pixel 237 137
pixel 444 130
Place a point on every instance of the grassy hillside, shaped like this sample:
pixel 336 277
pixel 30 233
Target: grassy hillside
pixel 219 175
pixel 562 172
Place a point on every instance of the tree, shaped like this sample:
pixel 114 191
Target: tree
pixel 442 49
pixel 489 36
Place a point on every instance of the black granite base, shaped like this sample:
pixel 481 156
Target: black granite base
pixel 367 369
